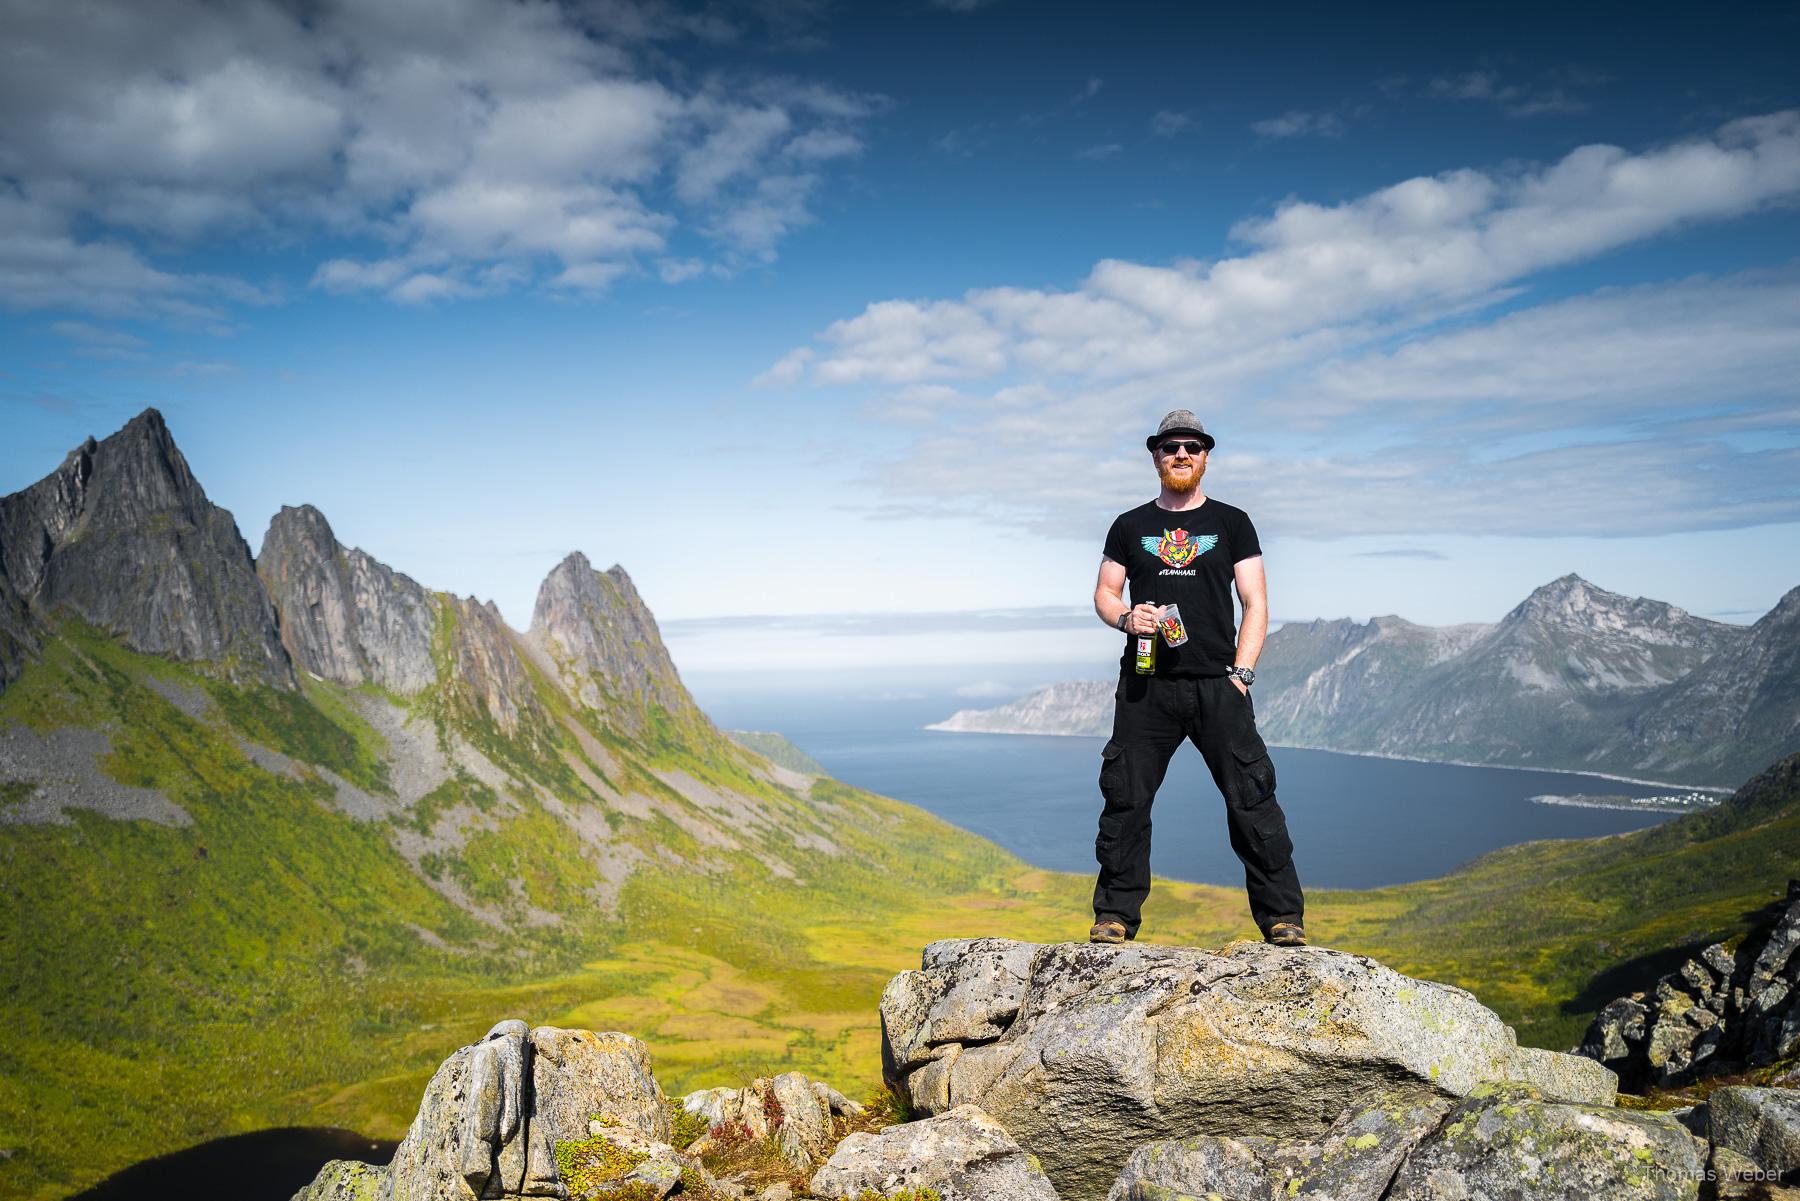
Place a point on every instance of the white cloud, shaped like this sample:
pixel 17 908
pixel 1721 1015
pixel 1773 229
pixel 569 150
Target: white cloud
pixel 94 335
pixel 1515 99
pixel 1298 124
pixel 1166 124
pixel 1100 153
pixel 477 135
pixel 1365 324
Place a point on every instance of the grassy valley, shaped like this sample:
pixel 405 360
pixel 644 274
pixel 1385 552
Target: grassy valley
pixel 279 961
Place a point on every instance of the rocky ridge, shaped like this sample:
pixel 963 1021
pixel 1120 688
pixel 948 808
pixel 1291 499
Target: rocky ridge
pixel 457 704
pixel 1077 707
pixel 344 615
pixel 122 536
pixel 1574 677
pixel 1085 1073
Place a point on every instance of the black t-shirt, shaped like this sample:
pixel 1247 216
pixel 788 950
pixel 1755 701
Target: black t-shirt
pixel 1185 558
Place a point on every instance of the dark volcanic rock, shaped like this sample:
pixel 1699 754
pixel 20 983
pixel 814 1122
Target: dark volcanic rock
pixel 344 615
pixel 604 641
pixel 122 536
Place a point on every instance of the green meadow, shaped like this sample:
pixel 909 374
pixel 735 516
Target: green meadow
pixel 277 962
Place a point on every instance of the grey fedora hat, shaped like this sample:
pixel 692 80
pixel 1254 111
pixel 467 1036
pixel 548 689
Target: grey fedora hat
pixel 1179 422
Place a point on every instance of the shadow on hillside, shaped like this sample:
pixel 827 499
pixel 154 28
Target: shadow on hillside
pixel 1640 974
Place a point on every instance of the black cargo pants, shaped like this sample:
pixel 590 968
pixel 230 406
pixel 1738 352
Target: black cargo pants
pixel 1151 716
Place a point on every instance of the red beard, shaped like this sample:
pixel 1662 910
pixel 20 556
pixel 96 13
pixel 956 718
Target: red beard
pixel 1184 482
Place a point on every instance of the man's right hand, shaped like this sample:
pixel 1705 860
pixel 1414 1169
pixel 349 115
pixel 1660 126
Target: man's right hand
pixel 1143 619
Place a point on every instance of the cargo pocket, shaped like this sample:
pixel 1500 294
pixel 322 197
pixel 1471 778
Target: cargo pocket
pixel 1112 768
pixel 1258 769
pixel 1273 846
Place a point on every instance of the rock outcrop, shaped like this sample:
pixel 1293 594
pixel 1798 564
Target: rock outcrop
pixel 123 537
pixel 1355 1158
pixel 604 642
pixel 1760 1124
pixel 495 1113
pixel 790 1109
pixel 344 615
pixel 962 1155
pixel 1513 1143
pixel 1718 1012
pixel 1084 1052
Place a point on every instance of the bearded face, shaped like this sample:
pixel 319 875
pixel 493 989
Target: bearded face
pixel 1180 473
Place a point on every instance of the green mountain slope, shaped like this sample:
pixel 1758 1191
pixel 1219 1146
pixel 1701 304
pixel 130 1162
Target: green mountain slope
pixel 276 959
pixel 242 890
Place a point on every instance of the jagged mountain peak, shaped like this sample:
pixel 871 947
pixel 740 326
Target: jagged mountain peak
pixel 345 616
pixel 128 508
pixel 1785 611
pixel 602 638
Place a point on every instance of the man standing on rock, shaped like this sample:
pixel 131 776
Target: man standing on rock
pixel 1188 550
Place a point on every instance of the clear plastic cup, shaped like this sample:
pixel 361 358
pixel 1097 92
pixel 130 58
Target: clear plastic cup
pixel 1173 629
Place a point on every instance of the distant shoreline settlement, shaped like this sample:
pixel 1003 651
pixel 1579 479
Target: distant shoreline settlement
pixel 1686 802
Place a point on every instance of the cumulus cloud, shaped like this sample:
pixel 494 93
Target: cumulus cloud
pixel 1374 321
pixel 494 144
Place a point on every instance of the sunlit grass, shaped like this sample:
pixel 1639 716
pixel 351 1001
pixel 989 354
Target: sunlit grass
pixel 263 966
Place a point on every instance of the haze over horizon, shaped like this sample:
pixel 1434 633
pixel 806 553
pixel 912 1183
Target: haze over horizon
pixel 839 311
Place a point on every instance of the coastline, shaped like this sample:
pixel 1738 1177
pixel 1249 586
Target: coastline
pixel 1301 746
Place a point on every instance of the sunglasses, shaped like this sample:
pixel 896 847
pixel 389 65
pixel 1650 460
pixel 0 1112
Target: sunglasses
pixel 1193 448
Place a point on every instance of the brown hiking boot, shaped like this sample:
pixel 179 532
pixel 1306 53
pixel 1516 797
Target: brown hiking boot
pixel 1285 934
pixel 1107 929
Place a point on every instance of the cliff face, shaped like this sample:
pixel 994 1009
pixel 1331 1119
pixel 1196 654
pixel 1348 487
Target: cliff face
pixel 603 641
pixel 345 616
pixel 122 536
pixel 1743 704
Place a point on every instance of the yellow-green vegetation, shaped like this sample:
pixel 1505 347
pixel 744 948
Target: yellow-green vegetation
pixel 278 962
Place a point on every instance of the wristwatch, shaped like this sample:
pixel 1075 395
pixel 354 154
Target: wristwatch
pixel 1245 674
pixel 1123 618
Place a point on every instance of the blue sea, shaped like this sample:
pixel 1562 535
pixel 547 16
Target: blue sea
pixel 1356 821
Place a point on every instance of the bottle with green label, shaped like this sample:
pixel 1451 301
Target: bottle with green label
pixel 1146 654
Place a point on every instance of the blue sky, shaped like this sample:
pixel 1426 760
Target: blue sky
pixel 863 310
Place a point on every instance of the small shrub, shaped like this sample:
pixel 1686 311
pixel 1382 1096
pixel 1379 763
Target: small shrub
pixel 684 1127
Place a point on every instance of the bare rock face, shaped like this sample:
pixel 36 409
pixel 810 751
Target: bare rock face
pixel 1354 1160
pixel 1083 1052
pixel 344 615
pixel 493 1114
pixel 1760 1124
pixel 604 642
pixel 962 1155
pixel 486 668
pixel 1719 1012
pixel 1512 1143
pixel 122 536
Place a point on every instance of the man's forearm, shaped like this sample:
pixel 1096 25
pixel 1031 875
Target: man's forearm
pixel 1251 633
pixel 1109 607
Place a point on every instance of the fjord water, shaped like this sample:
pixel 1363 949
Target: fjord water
pixel 1356 821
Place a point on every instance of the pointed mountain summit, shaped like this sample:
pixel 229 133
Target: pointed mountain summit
pixel 344 615
pixel 603 640
pixel 1570 637
pixel 122 536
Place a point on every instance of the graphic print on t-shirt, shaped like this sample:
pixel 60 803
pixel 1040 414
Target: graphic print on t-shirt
pixel 1178 548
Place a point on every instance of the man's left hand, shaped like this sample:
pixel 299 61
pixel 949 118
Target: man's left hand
pixel 1238 684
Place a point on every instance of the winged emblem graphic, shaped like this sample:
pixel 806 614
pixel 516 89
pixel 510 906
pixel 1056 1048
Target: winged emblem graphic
pixel 1178 548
